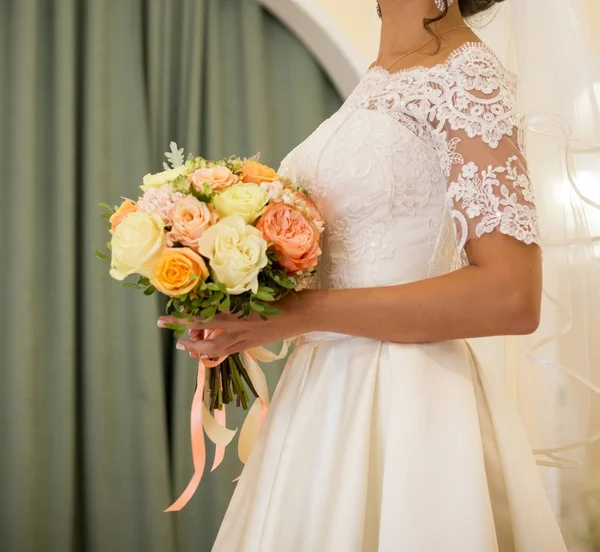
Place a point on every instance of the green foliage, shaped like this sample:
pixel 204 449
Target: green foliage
pixel 205 195
pixel 181 184
pixel 108 207
pixel 194 163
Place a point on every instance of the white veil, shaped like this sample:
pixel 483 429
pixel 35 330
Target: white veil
pixel 555 374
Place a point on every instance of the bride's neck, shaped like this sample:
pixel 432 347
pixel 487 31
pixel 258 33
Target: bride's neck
pixel 402 24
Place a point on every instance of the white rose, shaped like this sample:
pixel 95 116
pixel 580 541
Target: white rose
pixel 246 200
pixel 137 244
pixel 160 179
pixel 237 252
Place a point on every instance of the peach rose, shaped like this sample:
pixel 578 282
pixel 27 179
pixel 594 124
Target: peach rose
pixel 178 271
pixel 295 239
pixel 125 208
pixel 218 178
pixel 307 207
pixel 191 218
pixel 253 171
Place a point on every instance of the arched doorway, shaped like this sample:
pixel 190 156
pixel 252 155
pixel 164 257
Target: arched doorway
pixel 334 50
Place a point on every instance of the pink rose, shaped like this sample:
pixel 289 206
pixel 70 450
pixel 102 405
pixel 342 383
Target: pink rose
pixel 191 218
pixel 295 239
pixel 218 178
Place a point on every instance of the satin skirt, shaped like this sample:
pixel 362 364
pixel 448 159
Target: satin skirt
pixel 372 446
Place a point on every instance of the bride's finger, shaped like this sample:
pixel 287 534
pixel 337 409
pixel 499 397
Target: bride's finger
pixel 220 346
pixel 196 323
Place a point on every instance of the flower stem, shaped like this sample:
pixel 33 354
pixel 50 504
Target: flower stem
pixel 239 386
pixel 244 374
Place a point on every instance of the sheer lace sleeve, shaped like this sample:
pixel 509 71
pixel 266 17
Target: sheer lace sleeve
pixel 482 155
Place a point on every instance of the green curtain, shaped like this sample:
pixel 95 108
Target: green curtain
pixel 94 403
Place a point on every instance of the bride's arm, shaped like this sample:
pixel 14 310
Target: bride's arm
pixel 498 294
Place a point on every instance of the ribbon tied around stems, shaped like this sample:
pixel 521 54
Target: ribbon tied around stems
pixel 202 421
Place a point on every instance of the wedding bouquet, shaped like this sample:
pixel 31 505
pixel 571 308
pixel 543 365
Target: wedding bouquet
pixel 217 236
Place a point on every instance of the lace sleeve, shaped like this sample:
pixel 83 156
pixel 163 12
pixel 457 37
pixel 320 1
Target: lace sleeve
pixel 488 183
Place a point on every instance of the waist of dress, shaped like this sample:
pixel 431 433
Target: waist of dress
pixel 317 337
pixel 322 337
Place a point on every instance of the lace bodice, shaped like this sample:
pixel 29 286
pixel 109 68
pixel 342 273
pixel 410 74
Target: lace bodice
pixel 414 165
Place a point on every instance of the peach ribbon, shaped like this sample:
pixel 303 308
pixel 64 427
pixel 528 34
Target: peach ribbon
pixel 201 420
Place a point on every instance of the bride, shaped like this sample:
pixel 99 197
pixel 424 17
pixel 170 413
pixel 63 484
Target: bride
pixel 385 432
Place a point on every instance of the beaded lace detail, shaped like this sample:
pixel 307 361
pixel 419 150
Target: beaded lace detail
pixel 440 145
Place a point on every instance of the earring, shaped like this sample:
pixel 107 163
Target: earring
pixel 440 4
pixel 379 10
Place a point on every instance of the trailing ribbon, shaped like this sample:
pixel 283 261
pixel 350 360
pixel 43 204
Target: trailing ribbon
pixel 201 420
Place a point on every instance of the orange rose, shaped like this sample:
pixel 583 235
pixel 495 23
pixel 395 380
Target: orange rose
pixel 295 239
pixel 191 218
pixel 125 208
pixel 218 178
pixel 178 271
pixel 254 172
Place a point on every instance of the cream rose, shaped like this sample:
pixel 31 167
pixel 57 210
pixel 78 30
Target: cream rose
pixel 160 179
pixel 246 200
pixel 218 178
pixel 137 244
pixel 237 252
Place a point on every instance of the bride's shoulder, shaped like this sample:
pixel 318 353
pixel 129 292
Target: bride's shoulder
pixel 476 58
pixel 471 65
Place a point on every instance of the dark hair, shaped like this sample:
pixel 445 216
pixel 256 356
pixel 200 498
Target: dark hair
pixel 473 7
pixel 468 8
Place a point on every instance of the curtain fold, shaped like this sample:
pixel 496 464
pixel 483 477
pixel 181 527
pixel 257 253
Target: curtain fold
pixel 94 404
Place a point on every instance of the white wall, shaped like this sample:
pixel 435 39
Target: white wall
pixel 357 20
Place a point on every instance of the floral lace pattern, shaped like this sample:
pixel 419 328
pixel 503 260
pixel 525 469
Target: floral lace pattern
pixel 485 197
pixel 430 100
pixel 413 165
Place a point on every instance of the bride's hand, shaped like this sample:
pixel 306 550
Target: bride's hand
pixel 242 334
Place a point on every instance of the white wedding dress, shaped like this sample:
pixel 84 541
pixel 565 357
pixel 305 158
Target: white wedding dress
pixel 372 446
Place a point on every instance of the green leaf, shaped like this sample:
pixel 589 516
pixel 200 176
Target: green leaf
pixel 225 304
pixel 109 245
pixel 131 285
pixel 216 298
pixel 256 306
pixel 264 296
pixel 107 206
pixel 103 256
pixel 178 314
pixel 177 327
pixel 212 286
pixel 205 198
pixel 222 287
pixel 106 215
pixel 149 290
pixel 144 281
pixel 267 289
pixel 208 313
pixel 270 310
